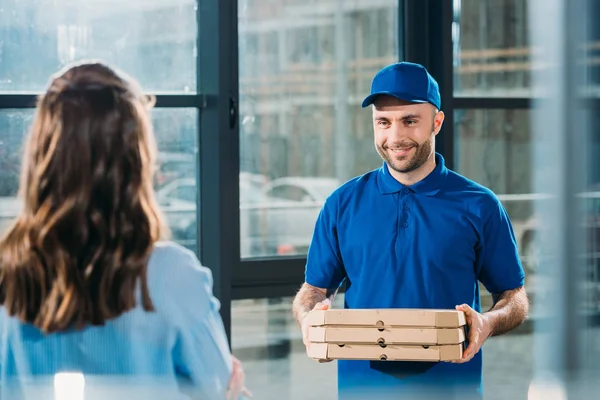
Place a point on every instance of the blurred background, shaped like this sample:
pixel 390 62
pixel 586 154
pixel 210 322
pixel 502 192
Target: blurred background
pixel 258 120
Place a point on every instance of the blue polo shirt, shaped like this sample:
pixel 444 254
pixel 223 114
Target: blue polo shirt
pixel 421 246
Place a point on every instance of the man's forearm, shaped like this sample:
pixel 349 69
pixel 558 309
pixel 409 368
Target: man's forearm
pixel 305 300
pixel 509 311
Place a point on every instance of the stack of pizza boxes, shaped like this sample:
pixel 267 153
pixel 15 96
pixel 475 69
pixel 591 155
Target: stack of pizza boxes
pixel 387 334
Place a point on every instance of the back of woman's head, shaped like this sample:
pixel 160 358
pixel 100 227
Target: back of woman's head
pixel 79 249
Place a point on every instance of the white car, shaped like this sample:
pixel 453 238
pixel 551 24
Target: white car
pixel 289 211
pixel 177 200
pixel 276 217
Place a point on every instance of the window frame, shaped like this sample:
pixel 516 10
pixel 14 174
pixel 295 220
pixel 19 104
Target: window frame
pixel 425 33
pixel 215 99
pixel 425 36
pixel 270 277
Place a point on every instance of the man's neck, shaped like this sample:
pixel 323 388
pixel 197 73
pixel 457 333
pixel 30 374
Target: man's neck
pixel 412 177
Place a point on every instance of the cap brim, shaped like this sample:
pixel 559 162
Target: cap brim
pixel 371 98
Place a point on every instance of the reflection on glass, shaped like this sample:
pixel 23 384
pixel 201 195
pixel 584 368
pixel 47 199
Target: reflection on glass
pixel 154 41
pixel 491 48
pixel 494 148
pixel 266 338
pixel 305 66
pixel 176 134
pixel 567 166
pixel 13 127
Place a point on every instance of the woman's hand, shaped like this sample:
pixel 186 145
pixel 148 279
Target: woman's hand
pixel 237 383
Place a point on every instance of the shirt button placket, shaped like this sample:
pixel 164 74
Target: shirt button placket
pixel 405 207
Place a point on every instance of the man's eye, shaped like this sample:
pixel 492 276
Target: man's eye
pixel 382 123
pixel 410 122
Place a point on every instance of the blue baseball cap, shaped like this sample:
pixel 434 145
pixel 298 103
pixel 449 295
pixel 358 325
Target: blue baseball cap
pixel 406 81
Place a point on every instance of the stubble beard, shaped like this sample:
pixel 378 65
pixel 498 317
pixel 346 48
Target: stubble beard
pixel 409 163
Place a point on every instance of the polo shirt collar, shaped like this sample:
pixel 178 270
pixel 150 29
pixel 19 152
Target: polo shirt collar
pixel 428 186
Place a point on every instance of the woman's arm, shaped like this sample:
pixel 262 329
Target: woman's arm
pixel 201 355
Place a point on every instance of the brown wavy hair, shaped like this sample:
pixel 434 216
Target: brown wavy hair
pixel 78 251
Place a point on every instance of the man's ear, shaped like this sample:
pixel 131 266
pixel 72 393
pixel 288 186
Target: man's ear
pixel 438 121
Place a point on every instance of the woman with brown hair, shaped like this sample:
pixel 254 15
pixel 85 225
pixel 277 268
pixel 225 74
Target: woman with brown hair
pixel 86 284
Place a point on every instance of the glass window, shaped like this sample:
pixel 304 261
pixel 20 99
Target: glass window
pixel 175 131
pixel 153 41
pixel 305 67
pixel 289 192
pixel 494 148
pixel 266 338
pixel 491 48
pixel 592 87
pixel 187 192
pixel 13 127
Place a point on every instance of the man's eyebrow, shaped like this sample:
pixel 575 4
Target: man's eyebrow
pixel 411 116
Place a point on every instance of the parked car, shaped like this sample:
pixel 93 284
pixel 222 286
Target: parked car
pixel 177 200
pixel 276 217
pixel 289 211
pixel 173 166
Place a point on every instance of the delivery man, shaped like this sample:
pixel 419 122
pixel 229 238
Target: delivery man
pixel 414 234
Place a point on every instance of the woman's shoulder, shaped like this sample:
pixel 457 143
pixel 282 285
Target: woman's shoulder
pixel 175 270
pixel 171 259
pixel 171 251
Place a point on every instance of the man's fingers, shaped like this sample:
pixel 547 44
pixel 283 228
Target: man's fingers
pixel 470 349
pixel 466 309
pixel 322 305
pixel 474 334
pixel 246 392
pixel 474 345
pixel 469 352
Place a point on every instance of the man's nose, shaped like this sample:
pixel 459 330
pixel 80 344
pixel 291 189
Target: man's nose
pixel 396 132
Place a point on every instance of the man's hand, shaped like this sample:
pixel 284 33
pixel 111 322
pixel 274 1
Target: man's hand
pixel 479 330
pixel 324 305
pixel 237 383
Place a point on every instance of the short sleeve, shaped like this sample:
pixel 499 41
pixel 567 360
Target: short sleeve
pixel 324 266
pixel 500 267
pixel 201 355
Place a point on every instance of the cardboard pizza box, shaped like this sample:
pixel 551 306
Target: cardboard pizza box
pixel 332 351
pixel 382 318
pixel 371 335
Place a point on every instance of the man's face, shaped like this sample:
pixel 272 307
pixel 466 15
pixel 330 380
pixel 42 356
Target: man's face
pixel 405 132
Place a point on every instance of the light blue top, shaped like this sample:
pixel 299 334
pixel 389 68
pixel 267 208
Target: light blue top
pixel 181 347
